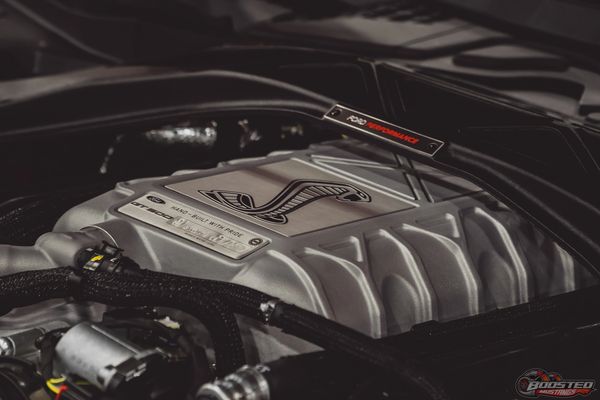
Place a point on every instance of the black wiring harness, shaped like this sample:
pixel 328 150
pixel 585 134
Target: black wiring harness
pixel 214 303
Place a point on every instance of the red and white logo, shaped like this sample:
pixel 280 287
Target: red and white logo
pixel 538 382
pixel 374 126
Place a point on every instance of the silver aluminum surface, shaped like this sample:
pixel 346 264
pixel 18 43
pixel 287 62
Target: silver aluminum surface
pixel 195 225
pixel 320 199
pixel 429 246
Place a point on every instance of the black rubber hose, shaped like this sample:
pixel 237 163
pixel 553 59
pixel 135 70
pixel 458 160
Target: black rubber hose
pixel 10 389
pixel 343 340
pixel 18 378
pixel 28 288
pixel 314 328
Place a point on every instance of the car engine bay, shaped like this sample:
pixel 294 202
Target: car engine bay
pixel 372 240
pixel 347 202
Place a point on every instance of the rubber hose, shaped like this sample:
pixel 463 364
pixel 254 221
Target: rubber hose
pixel 314 328
pixel 343 340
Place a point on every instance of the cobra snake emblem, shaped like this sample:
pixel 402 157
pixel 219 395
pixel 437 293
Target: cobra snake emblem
pixel 295 195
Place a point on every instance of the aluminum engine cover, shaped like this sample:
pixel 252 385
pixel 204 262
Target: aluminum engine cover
pixel 362 236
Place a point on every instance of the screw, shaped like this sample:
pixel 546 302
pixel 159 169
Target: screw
pixel 335 112
pixel 255 241
pixel 432 146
